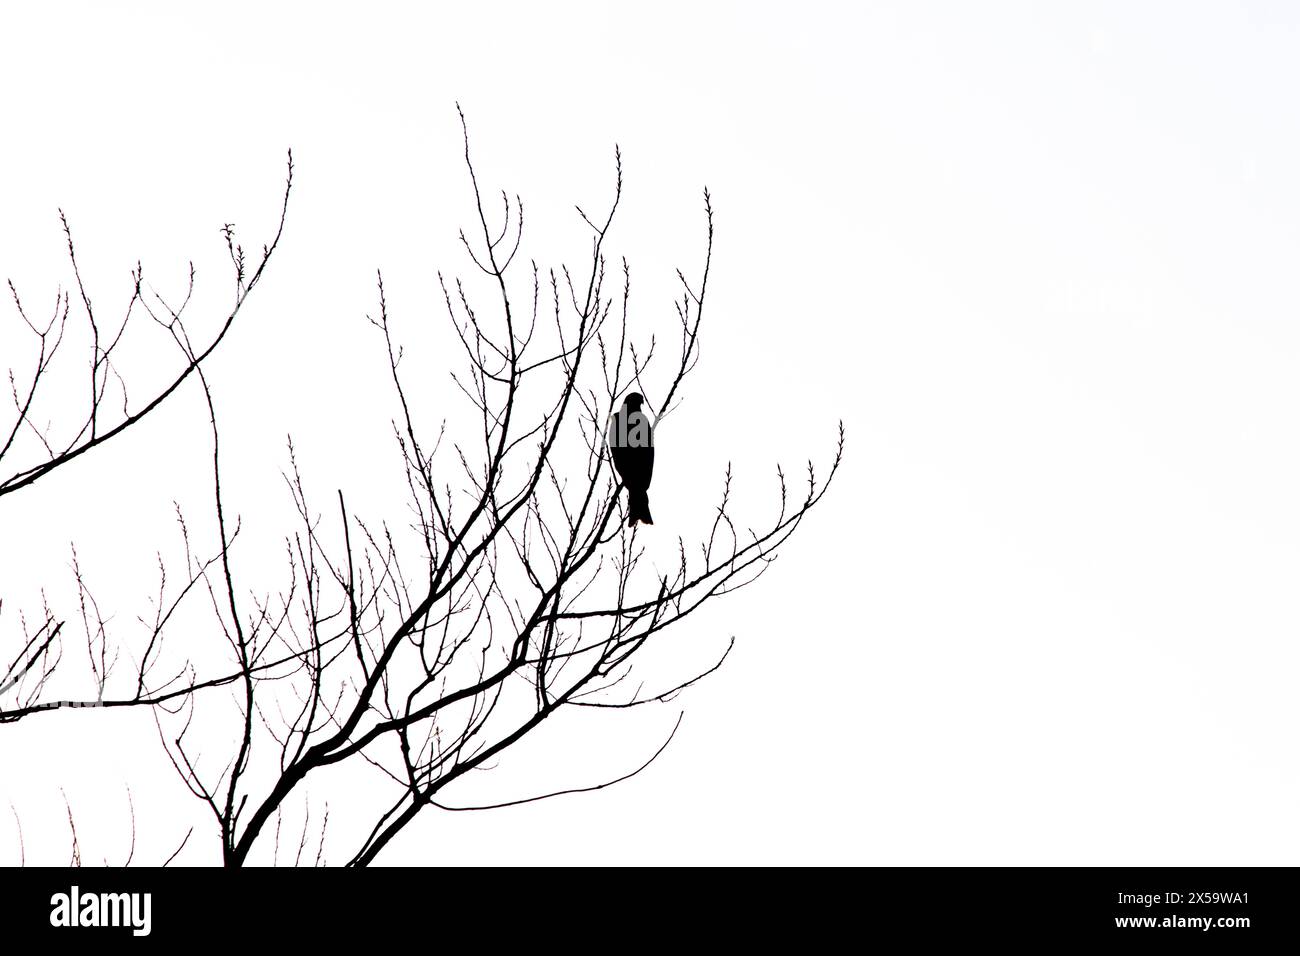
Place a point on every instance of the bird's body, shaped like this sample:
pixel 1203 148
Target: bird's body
pixel 631 445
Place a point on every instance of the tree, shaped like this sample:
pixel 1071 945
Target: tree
pixel 33 446
pixel 422 646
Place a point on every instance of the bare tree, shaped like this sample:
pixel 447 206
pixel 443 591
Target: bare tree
pixel 420 649
pixel 38 439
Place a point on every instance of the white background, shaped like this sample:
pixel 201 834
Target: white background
pixel 1041 259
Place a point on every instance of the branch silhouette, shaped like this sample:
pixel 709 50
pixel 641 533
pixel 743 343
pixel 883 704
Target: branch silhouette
pixel 93 431
pixel 31 450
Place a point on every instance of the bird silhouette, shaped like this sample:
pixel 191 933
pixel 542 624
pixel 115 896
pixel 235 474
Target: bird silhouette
pixel 631 444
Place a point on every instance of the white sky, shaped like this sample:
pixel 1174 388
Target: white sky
pixel 1040 260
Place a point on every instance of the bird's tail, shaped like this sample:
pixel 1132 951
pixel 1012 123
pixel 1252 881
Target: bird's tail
pixel 638 508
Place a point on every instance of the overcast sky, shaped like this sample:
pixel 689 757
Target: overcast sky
pixel 1039 258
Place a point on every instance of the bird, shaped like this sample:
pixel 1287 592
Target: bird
pixel 631 445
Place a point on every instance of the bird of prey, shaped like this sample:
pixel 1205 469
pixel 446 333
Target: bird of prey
pixel 631 444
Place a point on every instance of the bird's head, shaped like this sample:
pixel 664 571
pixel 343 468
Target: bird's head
pixel 633 401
